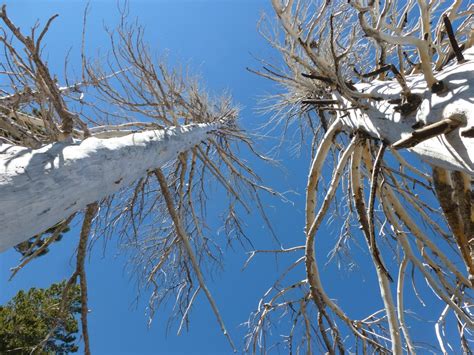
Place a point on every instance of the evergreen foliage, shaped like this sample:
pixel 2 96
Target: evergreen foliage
pixel 32 319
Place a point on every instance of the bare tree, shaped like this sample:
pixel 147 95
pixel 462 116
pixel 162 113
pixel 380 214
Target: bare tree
pixel 387 89
pixel 130 148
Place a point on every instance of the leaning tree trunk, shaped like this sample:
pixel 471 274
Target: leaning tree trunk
pixel 350 78
pixel 437 127
pixel 41 187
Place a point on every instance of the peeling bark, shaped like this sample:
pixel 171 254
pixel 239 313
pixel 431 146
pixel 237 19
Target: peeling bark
pixel 455 200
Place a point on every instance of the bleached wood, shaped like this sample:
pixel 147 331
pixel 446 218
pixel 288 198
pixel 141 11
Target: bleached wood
pixel 39 188
pixel 451 151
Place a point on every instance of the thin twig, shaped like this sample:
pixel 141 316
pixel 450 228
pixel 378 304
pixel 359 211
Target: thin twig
pixel 370 210
pixel 189 249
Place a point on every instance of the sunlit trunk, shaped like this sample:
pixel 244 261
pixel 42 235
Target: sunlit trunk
pixel 454 150
pixel 39 188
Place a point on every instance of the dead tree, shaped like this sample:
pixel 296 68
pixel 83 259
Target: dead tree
pixel 130 148
pixel 387 88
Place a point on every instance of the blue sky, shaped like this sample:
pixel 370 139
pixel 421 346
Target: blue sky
pixel 219 40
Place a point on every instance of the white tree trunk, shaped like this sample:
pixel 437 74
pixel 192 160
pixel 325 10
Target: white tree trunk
pixel 451 151
pixel 39 188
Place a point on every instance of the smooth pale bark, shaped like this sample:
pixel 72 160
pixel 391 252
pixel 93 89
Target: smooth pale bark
pixel 41 187
pixel 451 151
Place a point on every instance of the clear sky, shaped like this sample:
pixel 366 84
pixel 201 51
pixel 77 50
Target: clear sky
pixel 219 39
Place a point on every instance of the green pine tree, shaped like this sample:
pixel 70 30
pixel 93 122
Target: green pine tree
pixel 28 318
